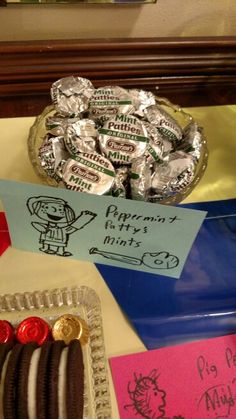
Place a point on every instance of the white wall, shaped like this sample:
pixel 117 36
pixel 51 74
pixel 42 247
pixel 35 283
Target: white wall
pixel 164 18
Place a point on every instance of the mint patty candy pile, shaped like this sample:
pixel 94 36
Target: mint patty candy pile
pixel 116 141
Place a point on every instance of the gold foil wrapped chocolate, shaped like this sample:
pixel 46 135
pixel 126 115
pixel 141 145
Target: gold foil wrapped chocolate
pixel 69 327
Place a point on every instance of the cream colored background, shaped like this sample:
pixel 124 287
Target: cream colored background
pixel 165 18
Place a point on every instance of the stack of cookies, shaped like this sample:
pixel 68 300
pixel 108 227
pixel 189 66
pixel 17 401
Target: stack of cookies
pixel 45 382
pixel 42 379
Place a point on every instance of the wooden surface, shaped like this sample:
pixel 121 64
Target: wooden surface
pixel 189 71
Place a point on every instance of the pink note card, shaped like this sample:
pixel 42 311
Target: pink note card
pixel 191 381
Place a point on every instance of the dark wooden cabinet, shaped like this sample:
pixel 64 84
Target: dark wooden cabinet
pixel 189 71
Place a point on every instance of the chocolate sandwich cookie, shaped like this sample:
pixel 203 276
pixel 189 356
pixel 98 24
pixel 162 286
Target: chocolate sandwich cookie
pixel 11 378
pixel 42 381
pixel 22 384
pixel 53 378
pixel 4 349
pixel 75 381
pixel 5 352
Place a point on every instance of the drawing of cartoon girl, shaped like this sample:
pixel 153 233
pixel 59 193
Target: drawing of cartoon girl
pixel 148 400
pixel 58 219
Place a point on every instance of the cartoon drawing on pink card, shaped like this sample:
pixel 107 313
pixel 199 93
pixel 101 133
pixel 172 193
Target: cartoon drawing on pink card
pixel 56 224
pixel 148 400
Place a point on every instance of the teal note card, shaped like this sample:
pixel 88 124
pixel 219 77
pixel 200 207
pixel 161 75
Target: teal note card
pixel 114 231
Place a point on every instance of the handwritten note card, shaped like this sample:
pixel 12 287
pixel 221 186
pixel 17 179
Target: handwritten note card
pixel 114 231
pixel 191 381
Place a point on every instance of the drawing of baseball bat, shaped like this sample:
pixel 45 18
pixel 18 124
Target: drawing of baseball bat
pixel 116 256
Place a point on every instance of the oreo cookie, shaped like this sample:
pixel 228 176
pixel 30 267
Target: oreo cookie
pixel 11 378
pixel 22 384
pixel 42 381
pixel 75 381
pixel 4 349
pixel 53 378
pixel 32 382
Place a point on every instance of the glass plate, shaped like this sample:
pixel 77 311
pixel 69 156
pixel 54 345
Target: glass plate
pixel 38 131
pixel 82 301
